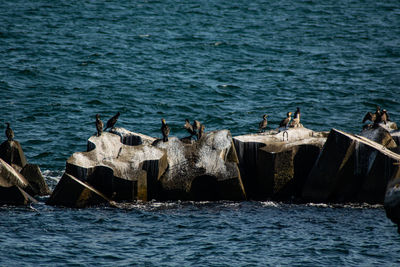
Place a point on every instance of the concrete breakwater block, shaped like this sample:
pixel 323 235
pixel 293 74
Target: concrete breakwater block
pixel 10 176
pixel 350 168
pixel 381 136
pixel 282 168
pixel 37 183
pixel 392 198
pixel 274 164
pixel 12 153
pixel 132 138
pixel 12 185
pixel 115 169
pixel 396 137
pixel 203 170
pixel 72 192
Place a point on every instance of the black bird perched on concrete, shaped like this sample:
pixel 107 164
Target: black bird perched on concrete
pixel 201 131
pixel 197 128
pixel 263 124
pixel 196 125
pixel 380 116
pixel 369 117
pixel 296 118
pixel 164 130
pixel 378 110
pixel 189 128
pixel 285 122
pixel 99 125
pixel 372 116
pixel 9 132
pixel 384 117
pixel 111 122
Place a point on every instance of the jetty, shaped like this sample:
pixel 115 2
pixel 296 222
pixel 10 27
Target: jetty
pixel 295 165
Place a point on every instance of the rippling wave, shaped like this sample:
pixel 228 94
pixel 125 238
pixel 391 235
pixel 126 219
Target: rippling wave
pixel 199 233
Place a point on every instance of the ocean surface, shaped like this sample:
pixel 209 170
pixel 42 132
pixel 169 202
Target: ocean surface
pixel 224 63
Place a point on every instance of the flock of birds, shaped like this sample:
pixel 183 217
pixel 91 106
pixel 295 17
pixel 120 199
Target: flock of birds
pixel 379 116
pixel 197 128
pixel 285 123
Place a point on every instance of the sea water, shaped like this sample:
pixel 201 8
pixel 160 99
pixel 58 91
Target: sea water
pixel 224 63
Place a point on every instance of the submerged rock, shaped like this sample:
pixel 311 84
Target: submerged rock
pixel 270 162
pixel 350 168
pixel 202 170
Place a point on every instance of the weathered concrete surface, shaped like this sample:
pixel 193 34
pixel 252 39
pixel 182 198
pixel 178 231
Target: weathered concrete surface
pixel 350 168
pixel 12 153
pixel 11 186
pixel 380 135
pixel 396 137
pixel 390 126
pixel 392 198
pixel 203 170
pixel 131 138
pixel 282 168
pixel 11 177
pixel 258 172
pixel 114 168
pixel 37 183
pixel 71 192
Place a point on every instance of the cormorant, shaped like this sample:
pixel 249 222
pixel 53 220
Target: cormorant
pixel 296 119
pixel 373 116
pixel 263 124
pixel 164 130
pixel 285 122
pixel 197 128
pixel 378 111
pixel 369 117
pixel 9 132
pixel 196 125
pixel 99 125
pixel 384 116
pixel 189 128
pixel 201 131
pixel 111 122
pixel 381 116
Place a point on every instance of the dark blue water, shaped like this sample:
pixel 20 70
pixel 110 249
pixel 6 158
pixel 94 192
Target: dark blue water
pixel 202 234
pixel 225 63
